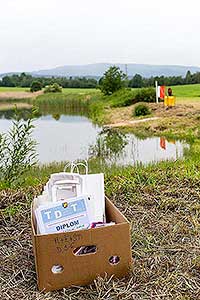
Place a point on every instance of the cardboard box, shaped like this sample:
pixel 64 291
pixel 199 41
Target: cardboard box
pixel 58 250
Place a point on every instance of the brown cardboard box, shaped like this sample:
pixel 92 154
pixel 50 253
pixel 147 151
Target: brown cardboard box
pixel 57 249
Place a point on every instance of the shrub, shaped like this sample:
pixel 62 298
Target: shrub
pixel 141 110
pixel 53 88
pixel 146 95
pixel 35 86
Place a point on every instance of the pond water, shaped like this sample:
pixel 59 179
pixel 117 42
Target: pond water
pixel 71 137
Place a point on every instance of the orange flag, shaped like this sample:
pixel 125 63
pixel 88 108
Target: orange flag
pixel 162 92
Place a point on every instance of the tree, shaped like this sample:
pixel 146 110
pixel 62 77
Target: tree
pixel 188 77
pixel 35 86
pixel 112 81
pixel 7 81
pixel 136 81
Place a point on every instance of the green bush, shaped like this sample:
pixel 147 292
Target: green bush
pixel 141 110
pixel 35 86
pixel 53 88
pixel 145 95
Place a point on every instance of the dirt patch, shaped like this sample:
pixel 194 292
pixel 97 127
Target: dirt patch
pixel 19 95
pixel 124 115
pixel 178 110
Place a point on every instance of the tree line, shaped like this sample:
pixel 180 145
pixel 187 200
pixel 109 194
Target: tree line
pixel 137 81
pixel 26 80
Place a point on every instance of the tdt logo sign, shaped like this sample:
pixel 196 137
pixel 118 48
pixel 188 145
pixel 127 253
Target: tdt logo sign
pixel 61 211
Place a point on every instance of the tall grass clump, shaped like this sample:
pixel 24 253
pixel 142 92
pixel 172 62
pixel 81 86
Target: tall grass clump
pixel 17 151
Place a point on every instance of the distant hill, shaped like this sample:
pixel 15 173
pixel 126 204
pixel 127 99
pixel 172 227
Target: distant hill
pixel 97 70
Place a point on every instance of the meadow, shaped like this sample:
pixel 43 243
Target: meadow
pixel 65 90
pixel 185 91
pixel 13 89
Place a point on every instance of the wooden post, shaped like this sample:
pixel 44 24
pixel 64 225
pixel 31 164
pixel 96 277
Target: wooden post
pixel 156 91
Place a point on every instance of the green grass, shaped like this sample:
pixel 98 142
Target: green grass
pixel 187 91
pixel 14 89
pixel 78 91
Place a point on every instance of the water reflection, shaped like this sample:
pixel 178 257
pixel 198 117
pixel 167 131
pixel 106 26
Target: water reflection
pixel 109 143
pixel 12 113
pixel 114 147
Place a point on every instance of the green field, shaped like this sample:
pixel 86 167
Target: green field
pixel 186 91
pixel 65 90
pixel 190 90
pixel 13 89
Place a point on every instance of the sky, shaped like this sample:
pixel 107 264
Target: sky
pixel 42 34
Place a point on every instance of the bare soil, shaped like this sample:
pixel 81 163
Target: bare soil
pixel 19 95
pixel 125 114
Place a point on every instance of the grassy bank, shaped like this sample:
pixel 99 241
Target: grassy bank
pixel 95 102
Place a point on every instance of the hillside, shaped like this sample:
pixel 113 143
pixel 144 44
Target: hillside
pixel 97 70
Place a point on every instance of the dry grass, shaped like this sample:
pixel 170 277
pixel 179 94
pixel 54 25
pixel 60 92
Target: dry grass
pixel 165 242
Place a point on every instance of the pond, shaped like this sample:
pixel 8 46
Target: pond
pixel 67 137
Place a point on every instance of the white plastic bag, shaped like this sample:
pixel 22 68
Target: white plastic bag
pixel 93 185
